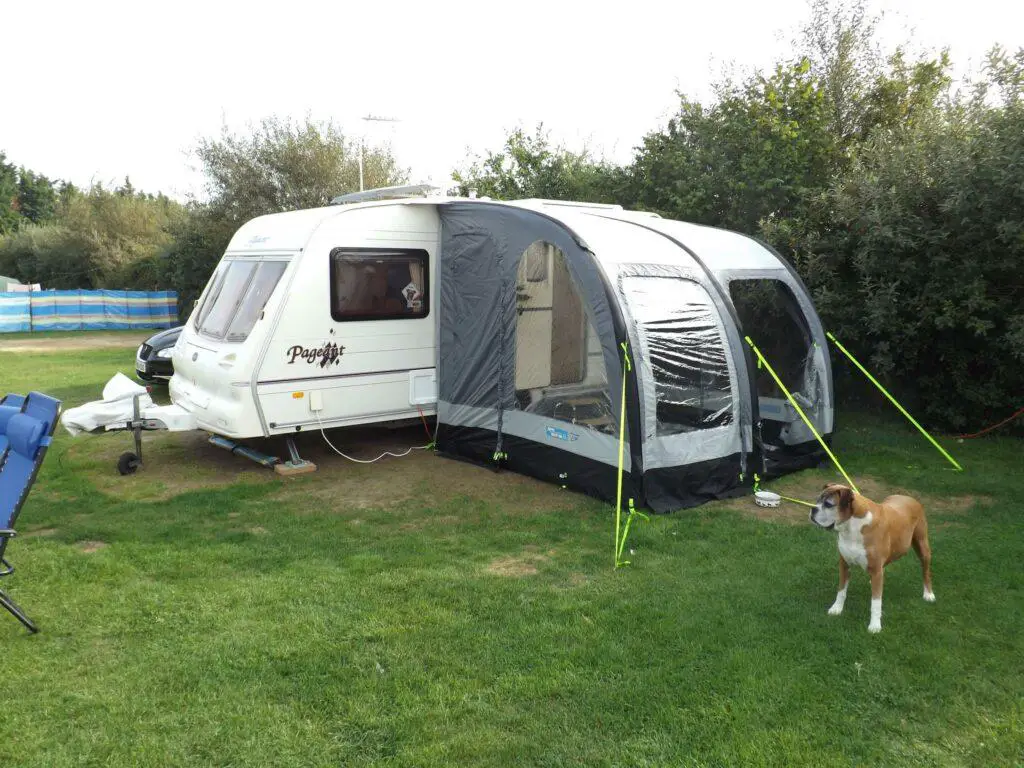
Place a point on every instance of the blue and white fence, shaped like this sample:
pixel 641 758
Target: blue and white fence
pixel 87 310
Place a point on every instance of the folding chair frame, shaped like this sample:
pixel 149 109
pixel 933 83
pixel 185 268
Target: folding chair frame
pixel 6 534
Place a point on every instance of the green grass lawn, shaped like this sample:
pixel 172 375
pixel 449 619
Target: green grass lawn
pixel 425 612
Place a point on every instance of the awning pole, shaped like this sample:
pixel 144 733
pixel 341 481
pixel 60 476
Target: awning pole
pixel 626 367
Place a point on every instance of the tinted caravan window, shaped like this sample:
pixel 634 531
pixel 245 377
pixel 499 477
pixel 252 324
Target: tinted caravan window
pixel 379 284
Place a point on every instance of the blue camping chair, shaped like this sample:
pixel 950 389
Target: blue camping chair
pixel 26 429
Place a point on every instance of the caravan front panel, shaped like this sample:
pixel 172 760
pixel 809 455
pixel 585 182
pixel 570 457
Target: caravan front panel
pixel 222 341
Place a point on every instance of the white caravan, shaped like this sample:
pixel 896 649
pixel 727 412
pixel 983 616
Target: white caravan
pixel 318 317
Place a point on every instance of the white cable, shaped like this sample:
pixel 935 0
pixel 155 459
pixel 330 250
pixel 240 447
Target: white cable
pixel 365 461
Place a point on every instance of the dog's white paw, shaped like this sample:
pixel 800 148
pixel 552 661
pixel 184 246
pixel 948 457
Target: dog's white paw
pixel 929 596
pixel 875 627
pixel 836 609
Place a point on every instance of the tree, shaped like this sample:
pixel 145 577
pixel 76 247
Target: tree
pixel 281 166
pixel 99 241
pixel 759 152
pixel 10 219
pixel 126 189
pixel 529 166
pixel 839 42
pixel 37 198
pixel 935 242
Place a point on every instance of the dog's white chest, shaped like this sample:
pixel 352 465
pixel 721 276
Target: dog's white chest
pixel 851 541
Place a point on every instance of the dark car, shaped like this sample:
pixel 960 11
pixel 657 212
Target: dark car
pixel 153 358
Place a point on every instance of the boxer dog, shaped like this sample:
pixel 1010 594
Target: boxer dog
pixel 872 536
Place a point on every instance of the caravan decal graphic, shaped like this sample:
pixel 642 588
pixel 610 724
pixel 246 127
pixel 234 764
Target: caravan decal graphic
pixel 324 355
pixel 561 434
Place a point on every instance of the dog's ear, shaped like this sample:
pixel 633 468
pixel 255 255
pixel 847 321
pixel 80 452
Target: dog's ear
pixel 845 504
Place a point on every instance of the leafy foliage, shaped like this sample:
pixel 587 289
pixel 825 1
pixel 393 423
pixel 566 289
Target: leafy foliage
pixel 10 219
pixel 530 166
pixel 37 198
pixel 760 151
pixel 94 241
pixel 933 249
pixel 281 166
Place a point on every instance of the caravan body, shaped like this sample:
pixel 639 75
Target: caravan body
pixel 511 321
pixel 307 321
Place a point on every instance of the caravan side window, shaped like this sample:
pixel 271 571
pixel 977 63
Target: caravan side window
pixel 379 284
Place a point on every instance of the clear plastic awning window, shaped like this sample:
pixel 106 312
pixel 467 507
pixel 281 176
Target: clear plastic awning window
pixel 682 343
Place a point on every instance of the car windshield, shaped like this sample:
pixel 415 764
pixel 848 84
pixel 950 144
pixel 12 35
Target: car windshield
pixel 237 298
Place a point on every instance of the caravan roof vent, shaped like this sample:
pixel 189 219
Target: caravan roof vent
pixel 387 193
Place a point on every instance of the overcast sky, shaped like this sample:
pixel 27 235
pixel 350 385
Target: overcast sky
pixel 100 89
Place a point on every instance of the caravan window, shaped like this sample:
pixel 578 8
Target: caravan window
pixel 237 298
pixel 223 303
pixel 203 308
pixel 260 288
pixel 379 284
pixel 683 345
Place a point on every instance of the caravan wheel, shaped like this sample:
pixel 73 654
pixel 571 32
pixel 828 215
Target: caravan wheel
pixel 128 463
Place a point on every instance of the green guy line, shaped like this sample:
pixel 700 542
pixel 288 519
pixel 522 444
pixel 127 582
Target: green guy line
pixel 626 367
pixel 797 501
pixel 892 400
pixel 800 411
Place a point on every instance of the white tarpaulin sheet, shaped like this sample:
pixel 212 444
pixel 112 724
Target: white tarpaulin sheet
pixel 116 409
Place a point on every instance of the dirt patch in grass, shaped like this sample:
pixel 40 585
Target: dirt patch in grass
pixel 54 495
pixel 173 463
pixel 418 479
pixel 577 579
pixel 514 566
pixel 73 342
pixel 423 522
pixel 88 547
pixel 958 505
pixel 38 532
pixel 808 484
pixel 786 512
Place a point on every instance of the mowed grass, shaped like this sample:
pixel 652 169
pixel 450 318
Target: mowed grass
pixel 425 612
